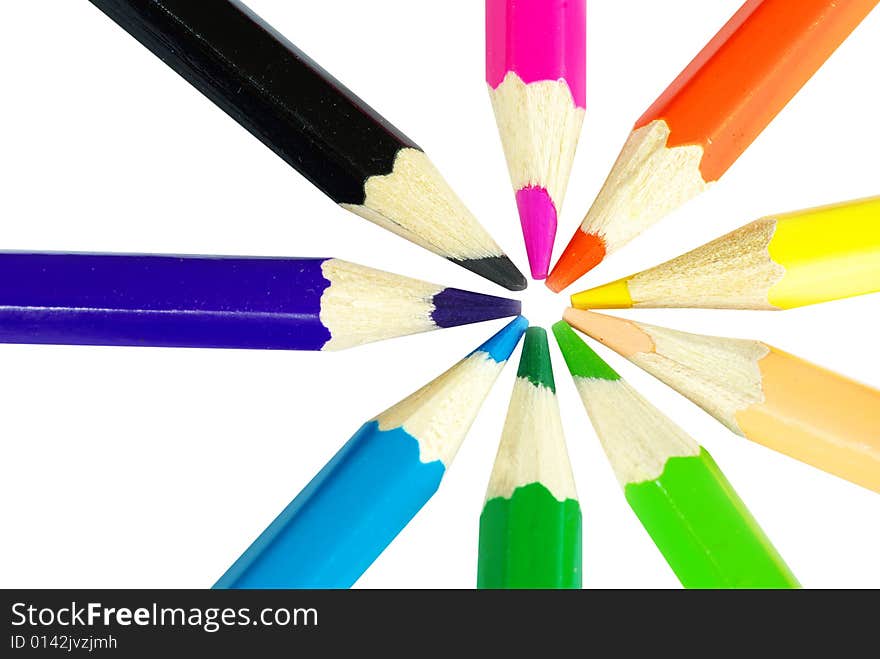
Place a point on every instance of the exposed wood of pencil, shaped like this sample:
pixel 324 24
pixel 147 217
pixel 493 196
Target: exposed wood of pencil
pixel 758 391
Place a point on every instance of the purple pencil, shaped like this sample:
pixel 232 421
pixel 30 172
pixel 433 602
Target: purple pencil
pixel 222 302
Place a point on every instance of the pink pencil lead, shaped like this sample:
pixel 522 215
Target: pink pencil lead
pixel 537 216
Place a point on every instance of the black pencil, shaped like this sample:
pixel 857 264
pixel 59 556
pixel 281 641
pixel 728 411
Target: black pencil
pixel 319 127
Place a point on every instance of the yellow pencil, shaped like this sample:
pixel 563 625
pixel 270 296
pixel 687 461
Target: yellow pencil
pixel 758 391
pixel 776 262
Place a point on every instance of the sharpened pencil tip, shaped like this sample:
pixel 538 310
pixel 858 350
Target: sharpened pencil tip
pixel 498 269
pixel 537 216
pixel 614 295
pixel 581 359
pixel 534 363
pixel 500 346
pixel 621 335
pixel 453 307
pixel 584 252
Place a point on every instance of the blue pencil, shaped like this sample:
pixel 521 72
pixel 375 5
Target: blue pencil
pixel 221 302
pixel 356 505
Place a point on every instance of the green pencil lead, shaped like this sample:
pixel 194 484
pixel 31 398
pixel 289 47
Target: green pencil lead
pixel 581 360
pixel 534 364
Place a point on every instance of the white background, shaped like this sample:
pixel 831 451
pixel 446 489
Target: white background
pixel 127 467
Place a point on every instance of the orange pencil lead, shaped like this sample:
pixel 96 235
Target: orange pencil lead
pixel 584 252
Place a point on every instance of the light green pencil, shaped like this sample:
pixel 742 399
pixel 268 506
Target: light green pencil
pixel 679 494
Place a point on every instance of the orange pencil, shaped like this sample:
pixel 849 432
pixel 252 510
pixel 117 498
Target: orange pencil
pixel 707 117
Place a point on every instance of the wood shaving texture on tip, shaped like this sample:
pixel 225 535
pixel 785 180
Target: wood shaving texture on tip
pixel 720 375
pixel 415 202
pixel 439 414
pixel 363 305
pixel 532 448
pixel 539 125
pixel 636 437
pixel 647 182
pixel 734 271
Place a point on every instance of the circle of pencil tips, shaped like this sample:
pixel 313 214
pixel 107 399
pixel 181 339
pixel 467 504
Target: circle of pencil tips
pixel 222 302
pixel 318 126
pixel 530 528
pixel 759 392
pixel 776 262
pixel 687 506
pixel 357 504
pixel 706 118
pixel 531 524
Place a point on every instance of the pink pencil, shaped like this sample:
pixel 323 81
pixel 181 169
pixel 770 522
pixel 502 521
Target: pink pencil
pixel 536 71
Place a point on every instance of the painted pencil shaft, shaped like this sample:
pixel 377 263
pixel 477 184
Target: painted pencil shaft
pixel 707 117
pixel 318 126
pixel 687 506
pixel 346 516
pixel 536 73
pixel 730 550
pixel 777 262
pixel 221 302
pixel 747 74
pixel 759 392
pixel 530 528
